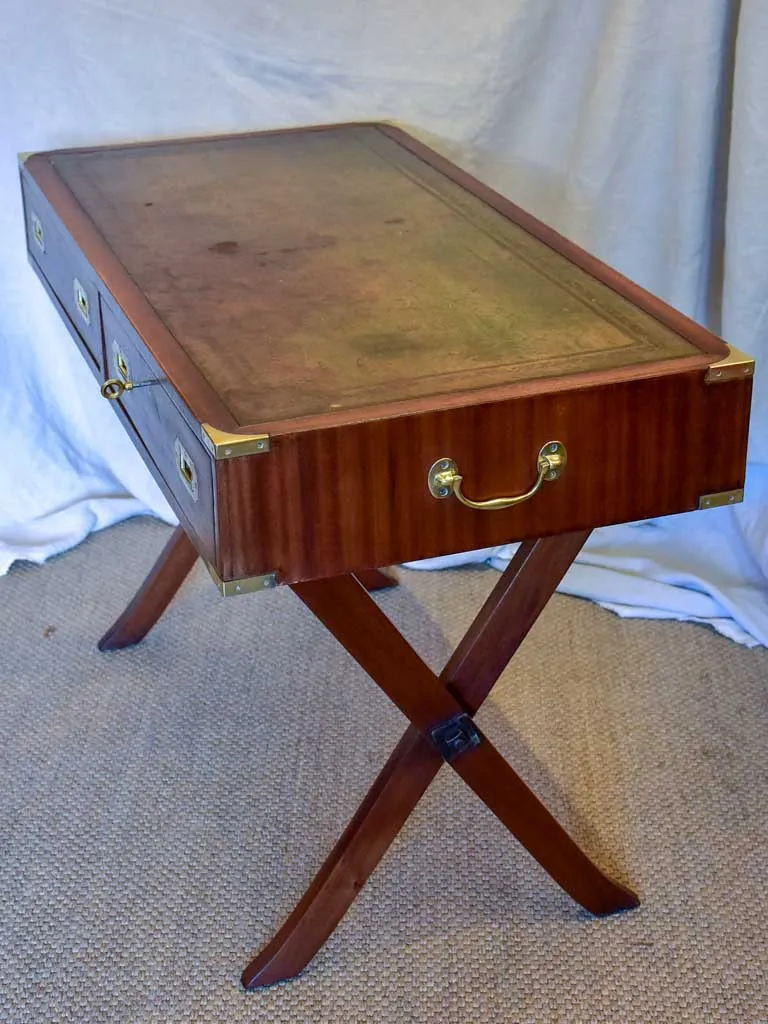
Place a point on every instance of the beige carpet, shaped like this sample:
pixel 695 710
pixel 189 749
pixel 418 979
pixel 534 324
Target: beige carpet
pixel 163 808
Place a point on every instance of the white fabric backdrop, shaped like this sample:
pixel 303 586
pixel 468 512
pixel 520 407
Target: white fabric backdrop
pixel 636 127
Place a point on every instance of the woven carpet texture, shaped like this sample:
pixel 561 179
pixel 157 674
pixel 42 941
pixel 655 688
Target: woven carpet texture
pixel 164 807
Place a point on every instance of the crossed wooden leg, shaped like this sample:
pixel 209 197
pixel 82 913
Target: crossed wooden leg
pixel 155 594
pixel 166 576
pixel 442 729
pixel 440 710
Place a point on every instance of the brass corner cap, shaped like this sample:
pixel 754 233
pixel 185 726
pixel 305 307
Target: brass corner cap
pixel 224 445
pixel 735 366
pixel 721 498
pixel 248 585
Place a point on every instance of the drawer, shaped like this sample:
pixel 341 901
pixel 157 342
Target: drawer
pixel 323 502
pixel 173 452
pixel 67 273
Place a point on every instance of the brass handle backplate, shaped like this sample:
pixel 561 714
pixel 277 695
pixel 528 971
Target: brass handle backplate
pixel 37 231
pixel 115 387
pixel 82 303
pixel 444 478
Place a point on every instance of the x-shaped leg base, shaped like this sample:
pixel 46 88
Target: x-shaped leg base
pixel 440 710
pixel 442 729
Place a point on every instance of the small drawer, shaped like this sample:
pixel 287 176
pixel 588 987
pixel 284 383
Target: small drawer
pixel 68 274
pixel 173 453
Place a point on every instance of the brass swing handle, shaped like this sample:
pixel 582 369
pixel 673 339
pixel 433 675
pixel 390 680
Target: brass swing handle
pixel 444 478
pixel 113 388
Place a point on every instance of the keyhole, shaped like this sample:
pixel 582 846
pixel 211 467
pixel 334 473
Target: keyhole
pixel 81 300
pixel 37 231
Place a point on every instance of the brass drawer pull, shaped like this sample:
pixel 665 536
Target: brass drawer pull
pixel 444 478
pixel 114 387
pixel 185 467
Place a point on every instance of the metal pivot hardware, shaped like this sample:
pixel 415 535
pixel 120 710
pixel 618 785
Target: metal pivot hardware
pixel 444 478
pixel 455 736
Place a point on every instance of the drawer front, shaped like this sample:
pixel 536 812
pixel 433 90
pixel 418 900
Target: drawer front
pixel 66 271
pixel 353 497
pixel 174 454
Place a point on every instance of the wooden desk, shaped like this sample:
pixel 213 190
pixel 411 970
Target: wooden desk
pixel 337 351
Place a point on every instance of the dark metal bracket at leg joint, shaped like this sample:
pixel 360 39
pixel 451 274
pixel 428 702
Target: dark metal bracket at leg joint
pixel 456 736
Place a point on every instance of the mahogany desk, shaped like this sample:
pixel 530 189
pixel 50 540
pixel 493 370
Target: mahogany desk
pixel 337 351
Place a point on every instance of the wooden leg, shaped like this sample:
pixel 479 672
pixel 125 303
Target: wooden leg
pixel 155 594
pixel 166 576
pixel 387 806
pixel 495 635
pixel 441 714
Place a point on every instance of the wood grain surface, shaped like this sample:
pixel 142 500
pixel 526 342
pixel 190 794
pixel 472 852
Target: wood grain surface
pixel 327 501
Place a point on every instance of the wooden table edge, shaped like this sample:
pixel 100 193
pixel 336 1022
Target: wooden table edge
pixel 479 396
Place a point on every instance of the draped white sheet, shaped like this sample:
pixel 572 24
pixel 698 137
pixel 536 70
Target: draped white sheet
pixel 636 127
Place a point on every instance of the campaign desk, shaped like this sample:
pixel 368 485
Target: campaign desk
pixel 337 351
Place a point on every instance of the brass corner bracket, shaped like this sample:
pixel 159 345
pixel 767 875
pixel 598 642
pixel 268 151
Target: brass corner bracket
pixel 248 585
pixel 722 498
pixel 223 445
pixel 735 366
